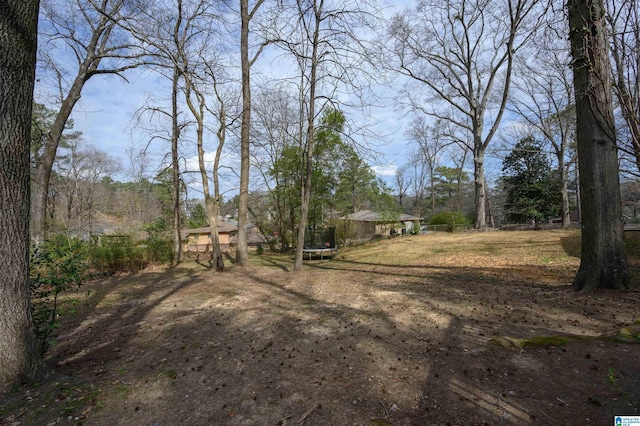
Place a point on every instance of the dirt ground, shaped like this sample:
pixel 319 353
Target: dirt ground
pixel 399 332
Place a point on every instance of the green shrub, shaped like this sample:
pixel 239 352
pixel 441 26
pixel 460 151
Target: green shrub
pixel 58 264
pixel 117 253
pixel 451 219
pixel 158 245
pixel 376 237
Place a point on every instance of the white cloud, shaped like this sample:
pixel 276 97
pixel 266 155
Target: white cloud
pixel 385 170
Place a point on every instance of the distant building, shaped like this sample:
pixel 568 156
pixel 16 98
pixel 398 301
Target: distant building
pixel 365 224
pixel 199 239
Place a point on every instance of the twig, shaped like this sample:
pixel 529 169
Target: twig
pixel 307 414
pixel 384 407
pixel 550 418
pixel 501 408
pixel 283 420
pixel 435 401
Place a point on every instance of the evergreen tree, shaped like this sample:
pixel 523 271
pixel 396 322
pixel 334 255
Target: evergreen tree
pixel 198 217
pixel 341 181
pixel 532 189
pixel 449 185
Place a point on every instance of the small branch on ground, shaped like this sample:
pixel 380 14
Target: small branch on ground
pixel 307 413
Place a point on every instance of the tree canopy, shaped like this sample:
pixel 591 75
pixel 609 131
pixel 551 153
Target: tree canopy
pixel 533 193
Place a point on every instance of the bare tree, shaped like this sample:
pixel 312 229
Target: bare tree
pixel 624 23
pixel 197 110
pixel 82 169
pixel 247 13
pixel 275 130
pixel 137 202
pixel 459 159
pixel 603 262
pixel 173 33
pixel 419 179
pixel 310 56
pixel 326 46
pixel 545 101
pixel 89 28
pixel 403 182
pixel 166 126
pixel 430 145
pixel 18 34
pixel 462 52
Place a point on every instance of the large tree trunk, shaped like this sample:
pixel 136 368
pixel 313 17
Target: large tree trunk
pixel 242 256
pixel 18 33
pixel 175 169
pixel 480 186
pixel 603 261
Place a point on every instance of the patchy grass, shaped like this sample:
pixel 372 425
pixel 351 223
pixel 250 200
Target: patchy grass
pixel 394 332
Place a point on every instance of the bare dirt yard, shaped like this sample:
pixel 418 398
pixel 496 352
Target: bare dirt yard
pixel 437 329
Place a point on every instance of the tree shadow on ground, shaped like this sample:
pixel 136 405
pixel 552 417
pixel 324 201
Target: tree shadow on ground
pixel 344 342
pixel 571 245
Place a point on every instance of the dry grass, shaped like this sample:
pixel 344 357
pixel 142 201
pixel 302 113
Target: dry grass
pixel 395 332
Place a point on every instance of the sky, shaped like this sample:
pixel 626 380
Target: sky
pixel 106 116
pixel 107 109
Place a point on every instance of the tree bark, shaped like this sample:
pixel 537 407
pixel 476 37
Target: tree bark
pixel 18 34
pixel 242 256
pixel 603 261
pixel 306 187
pixel 175 169
pixel 564 192
pixel 218 261
pixel 479 184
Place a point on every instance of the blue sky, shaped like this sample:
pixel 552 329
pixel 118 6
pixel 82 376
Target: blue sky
pixel 106 112
pixel 105 115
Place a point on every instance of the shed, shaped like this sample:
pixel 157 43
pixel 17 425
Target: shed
pixel 199 239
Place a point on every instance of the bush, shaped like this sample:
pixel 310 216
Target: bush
pixel 117 253
pixel 58 264
pixel 158 246
pixel 451 219
pixel 159 250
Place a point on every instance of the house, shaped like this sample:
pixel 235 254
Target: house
pixel 365 224
pixel 254 238
pixel 199 239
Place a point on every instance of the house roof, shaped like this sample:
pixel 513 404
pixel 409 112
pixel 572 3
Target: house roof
pixel 253 239
pixel 223 228
pixel 369 216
